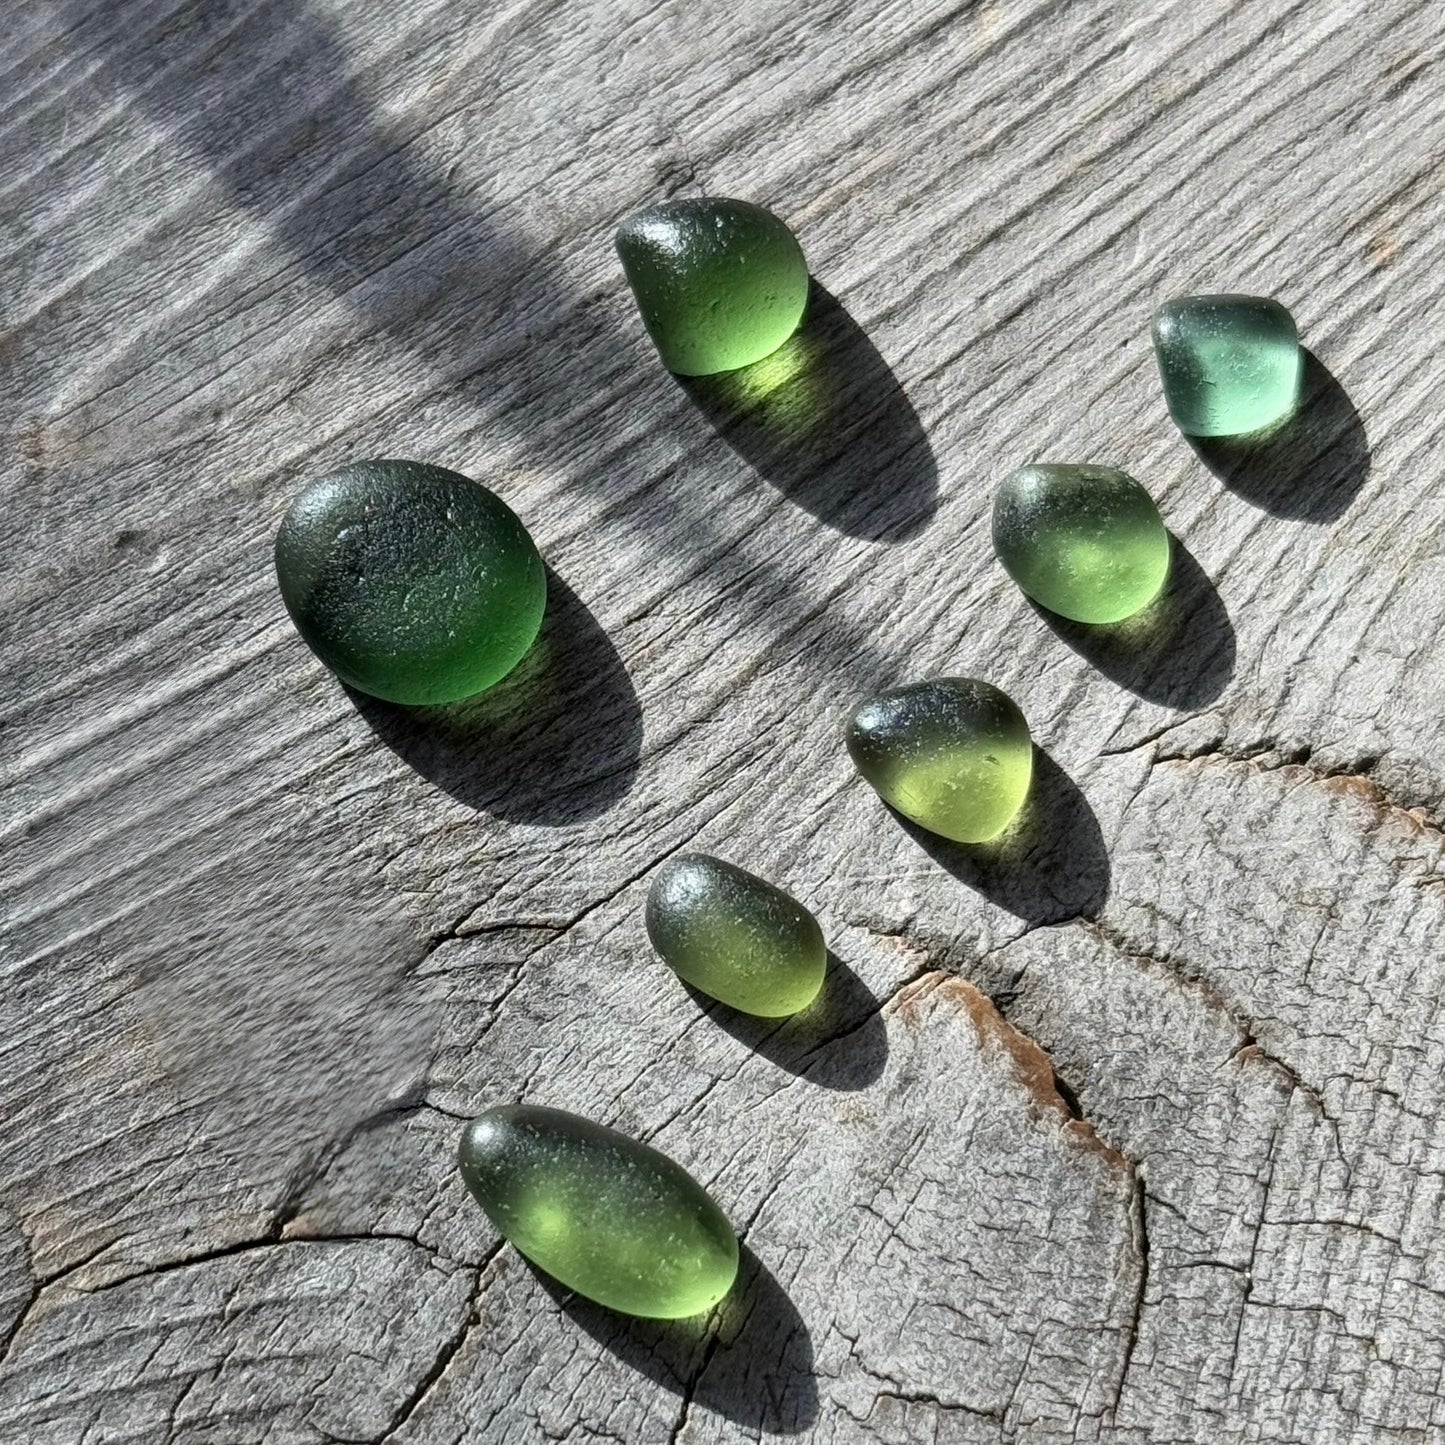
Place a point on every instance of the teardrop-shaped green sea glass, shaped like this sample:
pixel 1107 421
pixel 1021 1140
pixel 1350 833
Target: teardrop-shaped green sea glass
pixel 720 283
pixel 410 582
pixel 952 753
pixel 1086 542
pixel 735 936
pixel 608 1217
pixel 1230 365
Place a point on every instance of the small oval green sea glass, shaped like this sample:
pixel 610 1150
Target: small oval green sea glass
pixel 410 582
pixel 609 1217
pixel 735 936
pixel 953 754
pixel 1085 542
pixel 720 284
pixel 1230 365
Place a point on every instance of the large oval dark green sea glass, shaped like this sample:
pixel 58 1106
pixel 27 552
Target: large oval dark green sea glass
pixel 410 582
pixel 720 284
pixel 1086 542
pixel 953 754
pixel 609 1217
pixel 735 936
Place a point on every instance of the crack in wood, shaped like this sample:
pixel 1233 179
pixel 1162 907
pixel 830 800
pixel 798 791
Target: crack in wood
pixel 1031 1063
pixel 1355 778
pixel 1139 1235
pixel 445 1356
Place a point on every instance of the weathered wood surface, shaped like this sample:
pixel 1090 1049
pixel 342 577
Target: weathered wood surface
pixel 1128 1131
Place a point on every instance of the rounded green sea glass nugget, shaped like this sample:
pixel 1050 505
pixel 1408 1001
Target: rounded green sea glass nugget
pixel 1085 542
pixel 735 936
pixel 952 753
pixel 720 284
pixel 410 582
pixel 1230 365
pixel 609 1217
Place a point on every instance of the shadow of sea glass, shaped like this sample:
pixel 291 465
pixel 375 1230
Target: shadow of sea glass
pixel 1178 651
pixel 838 1041
pixel 750 1360
pixel 556 741
pixel 1310 466
pixel 826 422
pixel 1048 865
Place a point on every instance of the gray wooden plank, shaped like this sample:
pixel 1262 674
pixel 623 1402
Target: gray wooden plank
pixel 1124 1130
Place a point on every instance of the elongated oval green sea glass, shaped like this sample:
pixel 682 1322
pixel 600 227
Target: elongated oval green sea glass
pixel 1230 365
pixel 953 754
pixel 735 936
pixel 609 1217
pixel 720 284
pixel 410 582
pixel 1085 542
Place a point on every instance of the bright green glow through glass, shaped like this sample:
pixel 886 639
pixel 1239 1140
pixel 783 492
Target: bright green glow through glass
pixel 953 754
pixel 610 1218
pixel 1085 542
pixel 736 937
pixel 720 283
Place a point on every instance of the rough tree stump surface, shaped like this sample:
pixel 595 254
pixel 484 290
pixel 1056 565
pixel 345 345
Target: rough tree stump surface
pixel 1127 1130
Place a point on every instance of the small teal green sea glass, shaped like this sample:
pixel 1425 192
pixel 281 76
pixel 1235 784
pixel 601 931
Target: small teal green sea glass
pixel 953 754
pixel 410 582
pixel 720 284
pixel 1086 542
pixel 735 936
pixel 609 1217
pixel 1230 365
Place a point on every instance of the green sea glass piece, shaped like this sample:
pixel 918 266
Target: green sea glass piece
pixel 1230 365
pixel 720 283
pixel 1085 542
pixel 608 1217
pixel 953 754
pixel 735 936
pixel 410 582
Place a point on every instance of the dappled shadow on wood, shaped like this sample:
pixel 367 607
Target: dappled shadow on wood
pixel 270 100
pixel 1310 467
pixel 451 288
pixel 556 741
pixel 750 1361
pixel 1178 651
pixel 1049 865
pixel 826 422
pixel 838 1041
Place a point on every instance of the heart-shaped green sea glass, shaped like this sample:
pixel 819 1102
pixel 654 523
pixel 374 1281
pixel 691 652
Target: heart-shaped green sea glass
pixel 952 753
